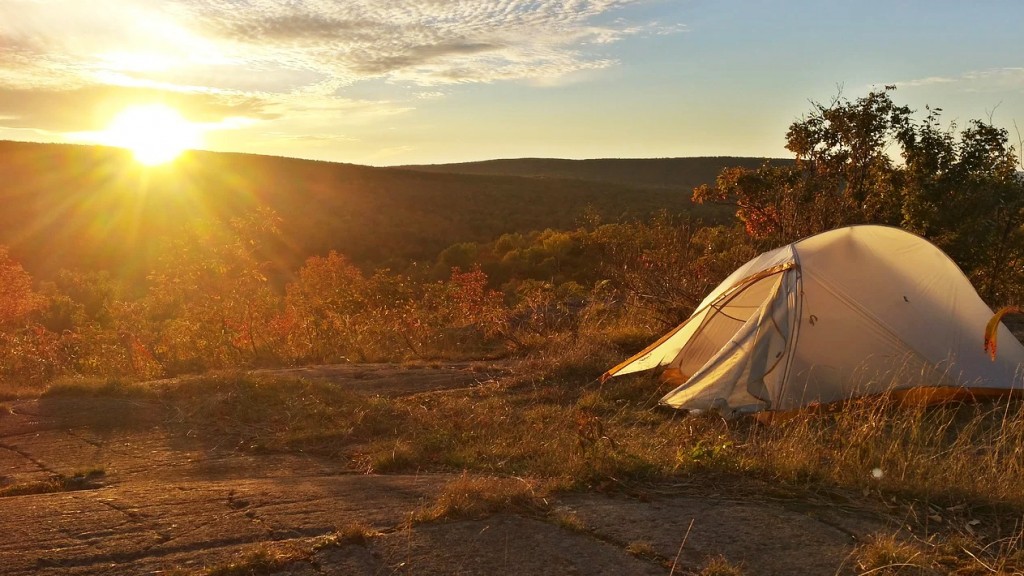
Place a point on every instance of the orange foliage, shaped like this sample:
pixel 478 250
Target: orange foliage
pixel 17 299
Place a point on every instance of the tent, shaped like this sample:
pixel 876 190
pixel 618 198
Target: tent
pixel 855 311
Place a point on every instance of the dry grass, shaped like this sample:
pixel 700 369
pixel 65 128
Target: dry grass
pixel 947 552
pixel 586 435
pixel 474 497
pixel 891 555
pixel 85 480
pixel 567 519
pixel 947 454
pixel 283 557
pixel 266 558
pixel 642 549
pixel 356 533
pixel 100 387
pixel 719 566
pixel 953 472
pixel 18 390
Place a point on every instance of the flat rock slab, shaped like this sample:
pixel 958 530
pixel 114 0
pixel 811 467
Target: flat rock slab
pixel 502 544
pixel 136 527
pixel 765 537
pixel 168 501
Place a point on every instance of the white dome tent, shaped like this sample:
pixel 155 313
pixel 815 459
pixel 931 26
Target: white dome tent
pixel 852 312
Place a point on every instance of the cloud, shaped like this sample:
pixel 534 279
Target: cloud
pixel 236 44
pixel 92 107
pixel 929 81
pixel 288 27
pixel 68 65
pixel 424 42
pixel 412 56
pixel 1009 78
pixel 427 42
pixel 998 78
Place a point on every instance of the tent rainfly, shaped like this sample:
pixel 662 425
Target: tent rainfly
pixel 852 312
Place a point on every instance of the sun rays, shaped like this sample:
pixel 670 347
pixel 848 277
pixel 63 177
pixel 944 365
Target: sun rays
pixel 155 133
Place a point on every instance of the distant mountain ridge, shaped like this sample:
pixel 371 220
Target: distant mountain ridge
pixel 668 173
pixel 94 208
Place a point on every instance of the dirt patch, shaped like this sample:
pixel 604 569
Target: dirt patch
pixel 160 501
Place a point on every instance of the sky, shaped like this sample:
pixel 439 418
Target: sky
pixel 390 82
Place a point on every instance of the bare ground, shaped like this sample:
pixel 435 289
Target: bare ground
pixel 169 501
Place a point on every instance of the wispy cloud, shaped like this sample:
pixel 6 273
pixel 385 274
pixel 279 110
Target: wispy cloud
pixel 426 42
pixel 998 79
pixel 418 41
pixel 1009 78
pixel 929 81
pixel 92 107
pixel 261 59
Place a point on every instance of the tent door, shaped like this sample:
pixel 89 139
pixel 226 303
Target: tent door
pixel 737 358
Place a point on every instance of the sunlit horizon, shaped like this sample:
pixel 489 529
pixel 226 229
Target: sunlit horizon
pixel 154 133
pixel 423 82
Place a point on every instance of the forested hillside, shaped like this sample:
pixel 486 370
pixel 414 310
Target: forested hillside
pixel 683 174
pixel 94 208
pixel 224 260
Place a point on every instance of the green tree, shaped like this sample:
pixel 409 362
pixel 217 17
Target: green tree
pixel 963 192
pixel 461 255
pixel 870 161
pixel 843 173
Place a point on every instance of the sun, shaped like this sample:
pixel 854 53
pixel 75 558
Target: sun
pixel 155 133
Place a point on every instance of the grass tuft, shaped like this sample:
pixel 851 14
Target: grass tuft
pixel 474 497
pixel 85 480
pixel 720 566
pixel 944 454
pixel 268 558
pixel 356 533
pixel 642 549
pixel 567 519
pixel 572 357
pixel 891 555
pixel 18 391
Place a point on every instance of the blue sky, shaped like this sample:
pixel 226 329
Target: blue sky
pixel 389 82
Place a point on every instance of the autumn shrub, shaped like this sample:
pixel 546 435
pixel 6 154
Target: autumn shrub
pixel 31 355
pixel 336 313
pixel 97 329
pixel 665 267
pixel 210 303
pixel 455 316
pixel 554 256
pixel 324 310
pixel 540 309
pixel 28 352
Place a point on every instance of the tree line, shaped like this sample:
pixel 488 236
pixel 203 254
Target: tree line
pixel 215 297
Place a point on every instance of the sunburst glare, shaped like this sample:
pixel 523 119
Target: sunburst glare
pixel 155 133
